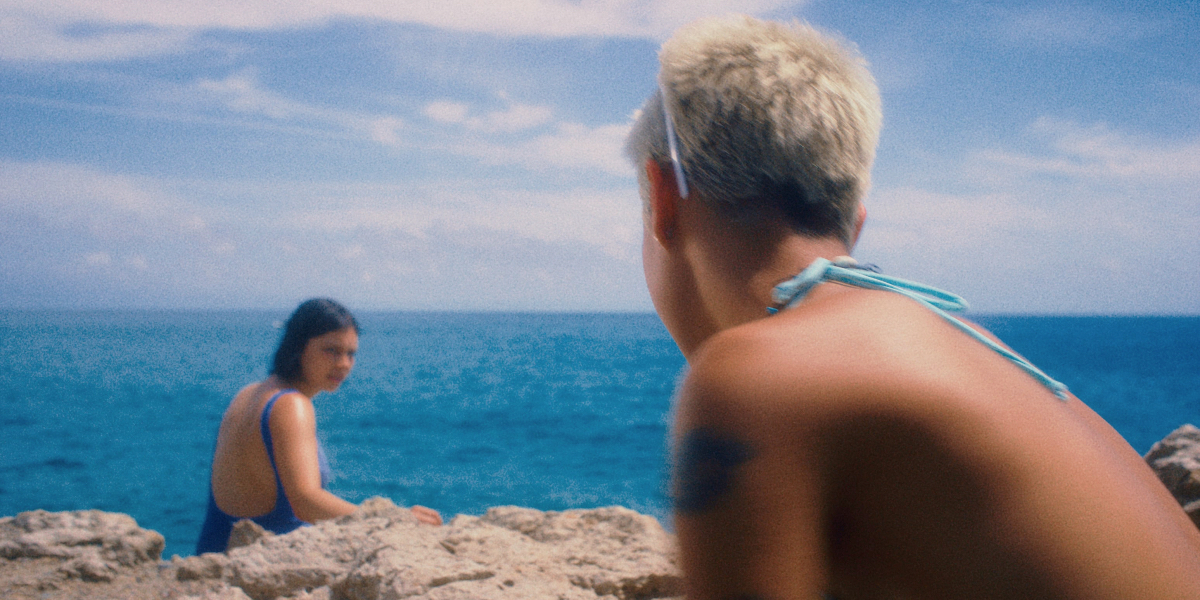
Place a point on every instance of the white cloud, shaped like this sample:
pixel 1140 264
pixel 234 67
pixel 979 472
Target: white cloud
pixel 76 229
pixel 1097 151
pixel 513 118
pixel 517 117
pixel 1062 25
pixel 36 36
pixel 570 146
pixel 137 261
pixel 111 220
pixel 506 136
pixel 386 130
pixel 1084 217
pixel 903 218
pixel 607 220
pixel 141 242
pixel 59 191
pixel 1039 248
pixel 1091 180
pixel 445 111
pixel 115 29
pixel 241 93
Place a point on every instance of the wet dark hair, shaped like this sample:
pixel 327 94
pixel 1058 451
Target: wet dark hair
pixel 312 318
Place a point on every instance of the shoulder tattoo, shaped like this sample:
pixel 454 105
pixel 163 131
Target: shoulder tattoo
pixel 705 467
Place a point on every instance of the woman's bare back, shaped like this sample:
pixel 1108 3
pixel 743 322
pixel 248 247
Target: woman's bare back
pixel 243 481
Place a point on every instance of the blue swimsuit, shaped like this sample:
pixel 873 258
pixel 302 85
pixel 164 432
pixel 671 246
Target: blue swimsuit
pixel 214 535
pixel 845 270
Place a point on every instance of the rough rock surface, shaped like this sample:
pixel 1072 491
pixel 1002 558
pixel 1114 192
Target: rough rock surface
pixel 47 555
pixel 379 553
pixel 1176 459
pixel 91 545
pixel 382 553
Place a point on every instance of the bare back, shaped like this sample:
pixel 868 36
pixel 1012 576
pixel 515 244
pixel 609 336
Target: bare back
pixel 859 444
pixel 243 482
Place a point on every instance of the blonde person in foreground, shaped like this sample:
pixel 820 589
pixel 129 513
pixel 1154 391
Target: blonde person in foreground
pixel 860 442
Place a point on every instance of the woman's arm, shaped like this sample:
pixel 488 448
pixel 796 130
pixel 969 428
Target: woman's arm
pixel 294 441
pixel 294 435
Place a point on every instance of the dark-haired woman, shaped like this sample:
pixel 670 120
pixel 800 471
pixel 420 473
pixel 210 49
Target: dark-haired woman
pixel 268 465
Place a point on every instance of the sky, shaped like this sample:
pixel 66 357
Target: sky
pixel 1036 158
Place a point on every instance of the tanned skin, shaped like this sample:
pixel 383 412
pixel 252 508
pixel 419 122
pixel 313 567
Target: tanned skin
pixel 858 446
pixel 243 483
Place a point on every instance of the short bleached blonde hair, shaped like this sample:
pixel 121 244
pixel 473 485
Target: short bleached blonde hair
pixel 771 119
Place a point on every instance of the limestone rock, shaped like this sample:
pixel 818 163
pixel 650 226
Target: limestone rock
pixel 1176 460
pixel 95 545
pixel 245 532
pixel 204 566
pixel 379 553
pixel 522 553
pixel 383 553
pixel 224 593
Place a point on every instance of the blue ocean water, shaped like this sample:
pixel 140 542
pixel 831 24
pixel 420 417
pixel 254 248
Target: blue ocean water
pixel 117 410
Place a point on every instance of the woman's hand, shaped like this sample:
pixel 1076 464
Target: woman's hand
pixel 427 516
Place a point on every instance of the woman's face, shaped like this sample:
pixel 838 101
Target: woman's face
pixel 328 358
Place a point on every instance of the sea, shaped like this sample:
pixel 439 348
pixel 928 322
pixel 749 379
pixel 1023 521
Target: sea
pixel 117 410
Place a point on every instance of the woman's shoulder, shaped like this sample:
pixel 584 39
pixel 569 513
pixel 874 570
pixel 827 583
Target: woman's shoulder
pixel 251 402
pixel 247 392
pixel 245 403
pixel 281 393
pixel 291 408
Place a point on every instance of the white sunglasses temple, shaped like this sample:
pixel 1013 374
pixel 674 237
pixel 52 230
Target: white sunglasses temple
pixel 673 145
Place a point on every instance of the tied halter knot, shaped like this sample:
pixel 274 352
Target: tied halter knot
pixel 846 270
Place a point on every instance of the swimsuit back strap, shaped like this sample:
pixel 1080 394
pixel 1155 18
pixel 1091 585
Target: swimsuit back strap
pixel 265 426
pixel 844 270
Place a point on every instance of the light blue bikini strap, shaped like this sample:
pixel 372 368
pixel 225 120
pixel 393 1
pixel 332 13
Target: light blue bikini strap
pixel 844 269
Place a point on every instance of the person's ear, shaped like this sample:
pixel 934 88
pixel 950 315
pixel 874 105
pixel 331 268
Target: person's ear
pixel 664 201
pixel 859 220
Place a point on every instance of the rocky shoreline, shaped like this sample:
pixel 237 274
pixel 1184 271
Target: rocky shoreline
pixel 382 553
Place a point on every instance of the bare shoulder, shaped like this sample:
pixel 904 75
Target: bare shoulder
pixel 923 442
pixel 818 363
pixel 292 409
pixel 858 368
pixel 241 417
pixel 245 397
